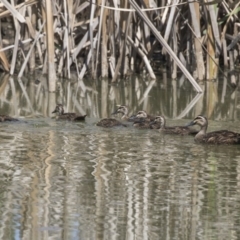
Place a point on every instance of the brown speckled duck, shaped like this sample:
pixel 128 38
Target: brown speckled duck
pixel 112 122
pixel 180 130
pixel 61 115
pixel 216 137
pixel 123 110
pixel 142 120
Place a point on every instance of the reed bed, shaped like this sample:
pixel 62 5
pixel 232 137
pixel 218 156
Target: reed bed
pixel 114 39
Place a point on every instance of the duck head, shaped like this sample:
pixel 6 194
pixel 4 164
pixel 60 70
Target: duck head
pixel 121 109
pixel 59 109
pixel 160 120
pixel 199 120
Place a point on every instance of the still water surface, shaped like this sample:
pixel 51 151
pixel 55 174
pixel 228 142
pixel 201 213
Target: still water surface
pixel 63 180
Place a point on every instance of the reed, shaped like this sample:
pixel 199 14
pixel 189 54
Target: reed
pixel 109 39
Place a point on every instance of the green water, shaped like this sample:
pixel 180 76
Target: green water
pixel 64 180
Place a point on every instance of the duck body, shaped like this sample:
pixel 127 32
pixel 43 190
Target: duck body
pixel 142 120
pixel 61 115
pixel 110 122
pixel 160 123
pixel 6 118
pixel 141 124
pixel 215 137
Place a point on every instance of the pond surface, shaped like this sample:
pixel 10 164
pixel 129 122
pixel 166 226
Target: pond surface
pixel 64 180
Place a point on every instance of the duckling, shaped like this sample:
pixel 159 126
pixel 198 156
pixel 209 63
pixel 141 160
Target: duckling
pixel 216 137
pixel 5 118
pixel 142 120
pixel 160 122
pixel 61 115
pixel 124 110
pixel 112 122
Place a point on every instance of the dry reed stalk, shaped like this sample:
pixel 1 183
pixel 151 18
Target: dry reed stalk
pixel 7 13
pixel 170 21
pixel 3 59
pixel 29 52
pixel 165 45
pixel 16 43
pixel 144 58
pixel 104 61
pixel 50 48
pixel 194 9
pixel 93 7
pixel 14 12
pixel 66 40
pixel 99 40
pixel 232 68
pixel 89 56
pixel 31 23
pixel 212 68
pixel 212 13
pixel 122 47
pixel 126 17
pixel 225 56
pixel 175 49
pixel 112 44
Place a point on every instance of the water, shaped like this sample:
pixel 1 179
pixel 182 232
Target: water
pixel 64 180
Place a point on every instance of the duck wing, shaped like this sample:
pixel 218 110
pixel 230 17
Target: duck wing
pixel 79 118
pixel 110 122
pixel 222 137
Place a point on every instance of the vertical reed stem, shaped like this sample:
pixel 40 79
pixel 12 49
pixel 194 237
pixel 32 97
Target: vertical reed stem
pixel 50 48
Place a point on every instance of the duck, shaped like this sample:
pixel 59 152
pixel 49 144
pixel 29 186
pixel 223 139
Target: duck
pixel 112 122
pixel 123 110
pixel 6 118
pixel 61 115
pixel 160 123
pixel 142 120
pixel 215 137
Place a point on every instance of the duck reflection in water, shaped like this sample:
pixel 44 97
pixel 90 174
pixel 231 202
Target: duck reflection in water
pixel 61 115
pixel 160 123
pixel 216 137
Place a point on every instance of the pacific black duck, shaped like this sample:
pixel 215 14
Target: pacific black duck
pixel 123 110
pixel 142 120
pixel 112 122
pixel 216 137
pixel 160 123
pixel 6 118
pixel 61 115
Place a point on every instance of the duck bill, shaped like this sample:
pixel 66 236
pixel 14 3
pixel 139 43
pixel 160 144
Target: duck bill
pixel 116 112
pixel 190 124
pixel 133 118
pixel 138 120
pixel 54 111
pixel 151 123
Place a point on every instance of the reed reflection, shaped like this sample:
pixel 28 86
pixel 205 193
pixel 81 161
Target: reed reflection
pixel 29 98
